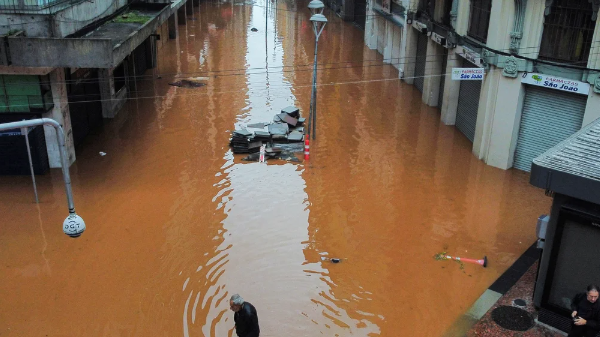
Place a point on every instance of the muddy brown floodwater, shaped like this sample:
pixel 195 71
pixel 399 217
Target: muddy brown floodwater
pixel 177 224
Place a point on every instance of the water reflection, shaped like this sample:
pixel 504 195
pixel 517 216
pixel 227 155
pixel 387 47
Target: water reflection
pixel 177 224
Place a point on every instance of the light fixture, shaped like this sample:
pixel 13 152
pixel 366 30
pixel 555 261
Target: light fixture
pixel 316 7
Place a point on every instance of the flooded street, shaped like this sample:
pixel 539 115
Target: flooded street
pixel 176 223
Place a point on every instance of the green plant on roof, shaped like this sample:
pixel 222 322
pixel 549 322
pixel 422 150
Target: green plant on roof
pixel 132 17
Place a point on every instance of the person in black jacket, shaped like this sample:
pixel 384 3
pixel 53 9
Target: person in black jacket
pixel 586 313
pixel 245 317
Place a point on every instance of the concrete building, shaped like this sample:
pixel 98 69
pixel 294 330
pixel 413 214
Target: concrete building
pixel 541 60
pixel 75 61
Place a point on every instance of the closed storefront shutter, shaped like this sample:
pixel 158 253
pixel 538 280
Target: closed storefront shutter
pixel 548 118
pixel 360 13
pixel 468 103
pixel 420 61
pixel 443 77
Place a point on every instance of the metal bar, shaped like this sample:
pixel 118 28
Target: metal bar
pixel 61 146
pixel 25 134
pixel 313 97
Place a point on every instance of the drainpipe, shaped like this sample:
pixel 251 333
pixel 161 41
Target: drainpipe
pixel 73 225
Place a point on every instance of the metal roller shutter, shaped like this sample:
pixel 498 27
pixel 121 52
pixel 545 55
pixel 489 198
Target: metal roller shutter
pixel 548 118
pixel 468 103
pixel 420 61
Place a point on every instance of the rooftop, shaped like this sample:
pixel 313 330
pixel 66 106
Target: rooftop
pixel 573 166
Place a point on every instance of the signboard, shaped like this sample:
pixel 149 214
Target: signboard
pixel 556 83
pixel 470 56
pixel 437 38
pixel 421 27
pixel 472 74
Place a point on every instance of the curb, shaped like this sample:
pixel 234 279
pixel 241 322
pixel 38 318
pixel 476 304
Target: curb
pixel 500 287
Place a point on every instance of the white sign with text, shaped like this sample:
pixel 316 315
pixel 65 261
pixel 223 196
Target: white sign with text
pixel 556 83
pixel 471 74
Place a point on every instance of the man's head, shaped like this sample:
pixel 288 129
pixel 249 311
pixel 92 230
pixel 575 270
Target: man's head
pixel 592 293
pixel 236 301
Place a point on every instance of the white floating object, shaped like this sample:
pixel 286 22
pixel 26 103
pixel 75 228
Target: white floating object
pixel 102 153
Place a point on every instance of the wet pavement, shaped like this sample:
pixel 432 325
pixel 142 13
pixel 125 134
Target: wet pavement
pixel 176 223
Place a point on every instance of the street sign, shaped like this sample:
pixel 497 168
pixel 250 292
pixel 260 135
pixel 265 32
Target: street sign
pixel 472 74
pixel 556 83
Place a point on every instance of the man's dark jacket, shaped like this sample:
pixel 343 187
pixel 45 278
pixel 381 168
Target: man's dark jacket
pixel 246 321
pixel 586 310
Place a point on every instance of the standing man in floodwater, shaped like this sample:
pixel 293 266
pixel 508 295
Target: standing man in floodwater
pixel 586 313
pixel 245 317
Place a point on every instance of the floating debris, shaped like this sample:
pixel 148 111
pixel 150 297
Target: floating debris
pixel 282 138
pixel 187 84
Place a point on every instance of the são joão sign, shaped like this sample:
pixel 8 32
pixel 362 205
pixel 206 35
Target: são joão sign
pixel 473 74
pixel 556 83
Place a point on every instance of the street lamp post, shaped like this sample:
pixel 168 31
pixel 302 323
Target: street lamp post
pixel 73 225
pixel 318 22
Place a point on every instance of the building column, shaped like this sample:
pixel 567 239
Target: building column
pixel 371 27
pixel 433 67
pixel 504 128
pixel 181 14
pixel 388 30
pixel 410 56
pixel 172 22
pixel 107 92
pixel 451 90
pixel 60 113
pixel 592 109
pixel 396 43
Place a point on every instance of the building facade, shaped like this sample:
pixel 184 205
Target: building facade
pixel 75 61
pixel 541 60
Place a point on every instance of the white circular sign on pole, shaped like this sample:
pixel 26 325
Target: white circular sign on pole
pixel 73 225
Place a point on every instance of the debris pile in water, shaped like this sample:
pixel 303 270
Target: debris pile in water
pixel 282 137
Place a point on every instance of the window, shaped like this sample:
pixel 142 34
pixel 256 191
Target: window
pixel 568 32
pixel 426 8
pixel 479 20
pixel 446 19
pixel 25 93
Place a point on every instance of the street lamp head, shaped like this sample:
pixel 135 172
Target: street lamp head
pixel 73 225
pixel 318 21
pixel 316 7
pixel 318 18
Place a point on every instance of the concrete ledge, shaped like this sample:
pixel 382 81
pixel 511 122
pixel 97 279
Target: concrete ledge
pixel 57 52
pixel 90 52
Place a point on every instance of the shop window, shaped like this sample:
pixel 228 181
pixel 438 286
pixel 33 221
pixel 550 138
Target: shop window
pixel 568 32
pixel 479 19
pixel 25 93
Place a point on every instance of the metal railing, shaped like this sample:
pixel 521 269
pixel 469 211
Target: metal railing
pixel 73 225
